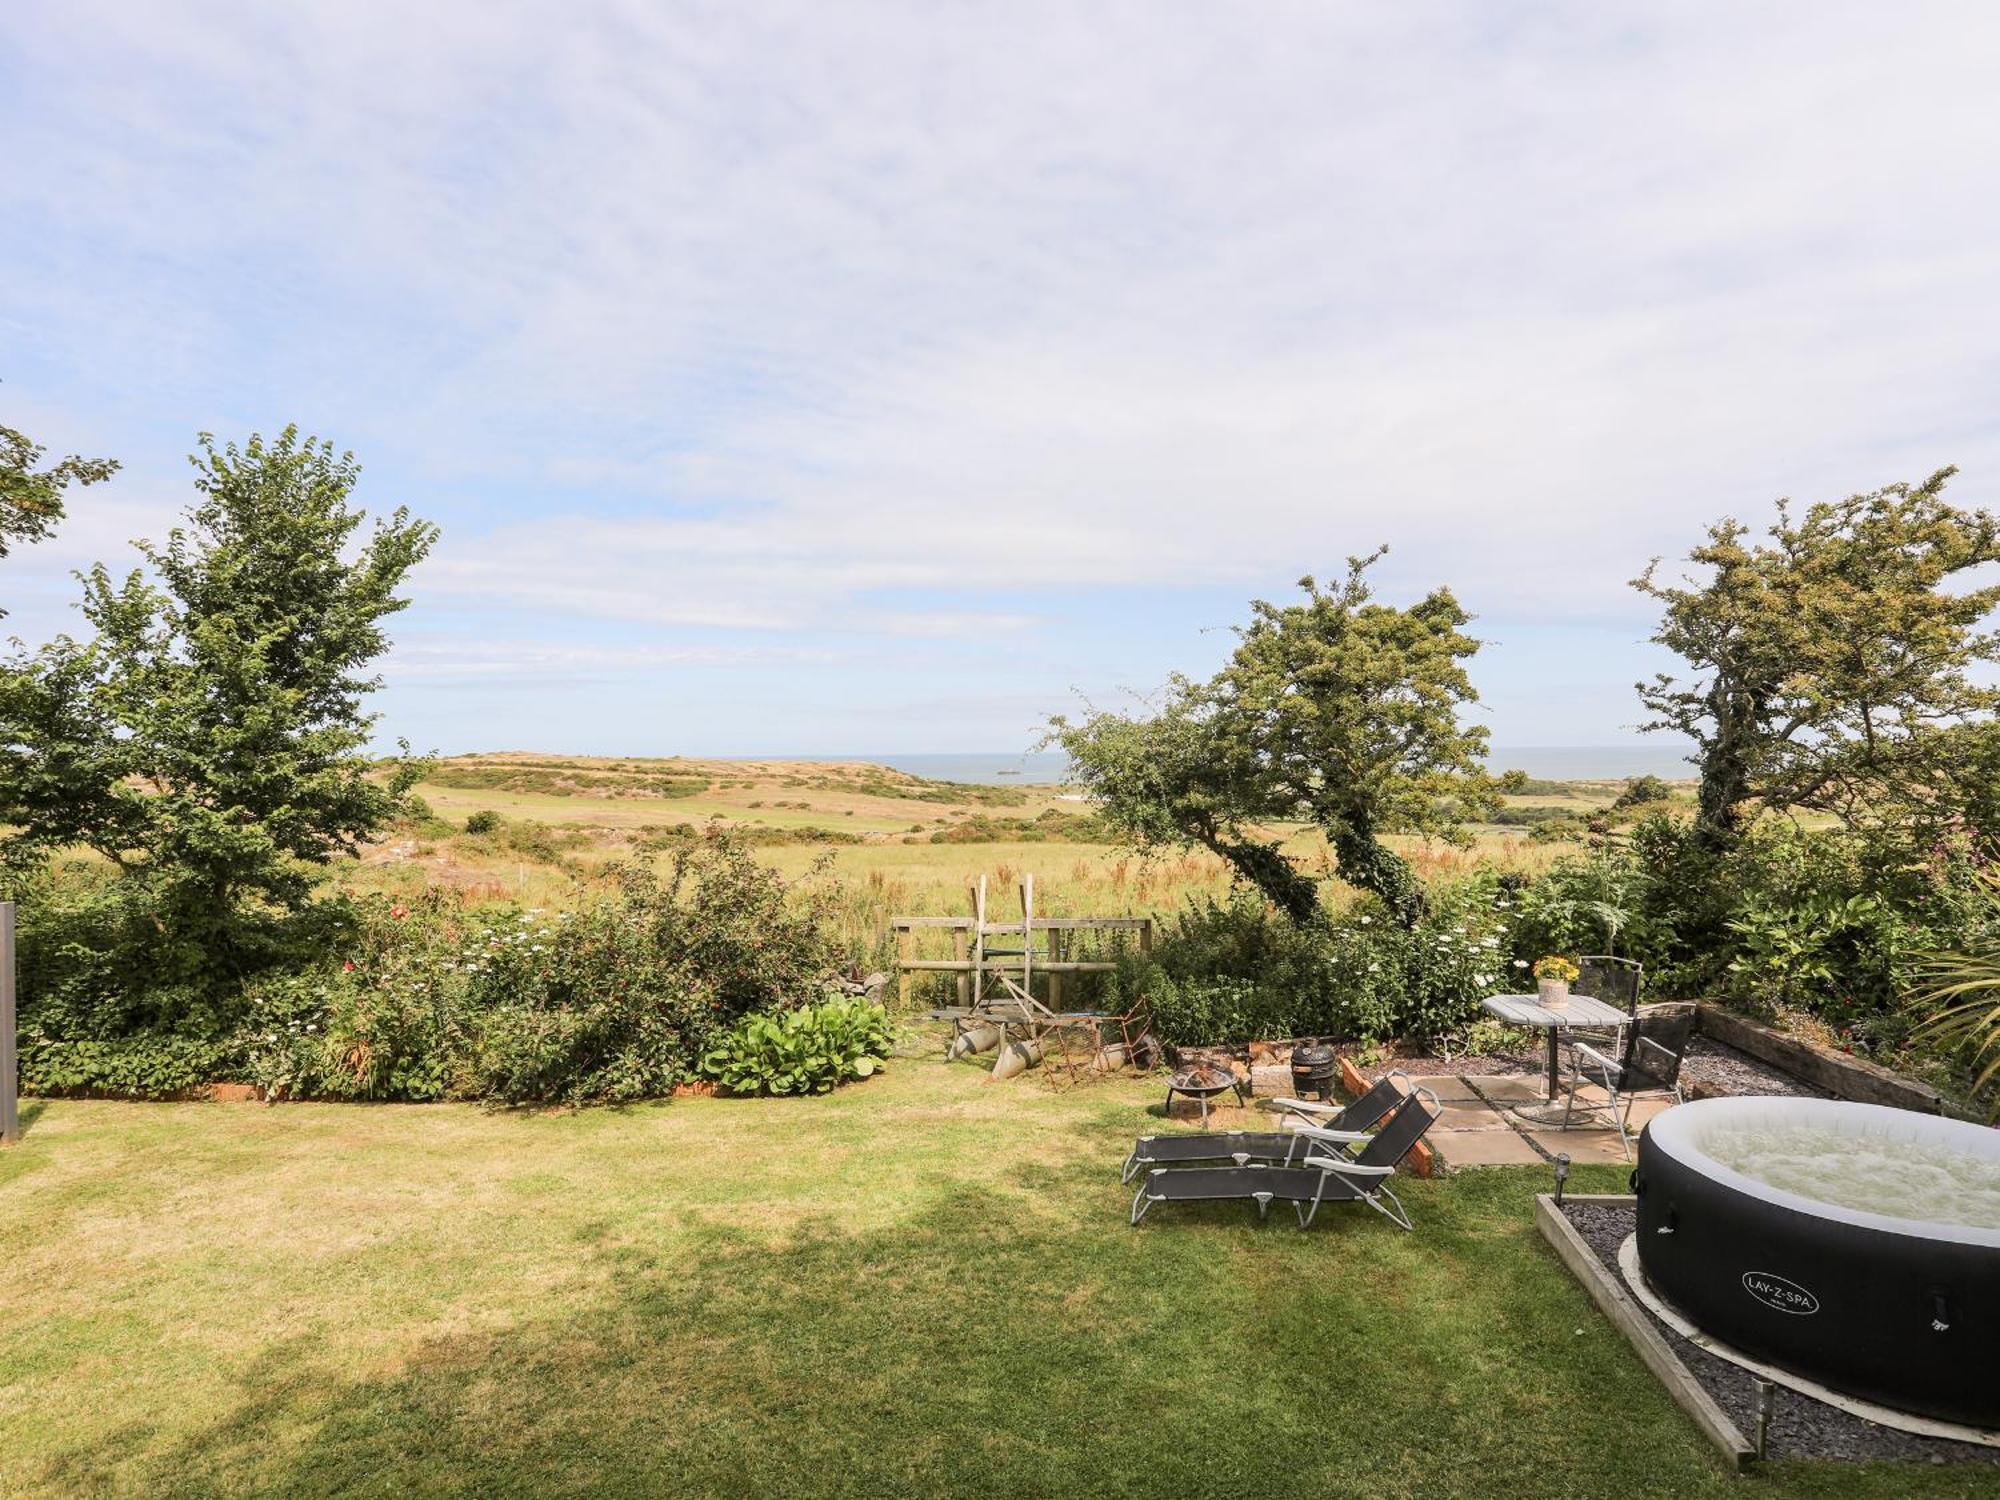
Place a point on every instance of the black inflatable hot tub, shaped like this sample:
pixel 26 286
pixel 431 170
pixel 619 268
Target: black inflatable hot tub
pixel 1901 1311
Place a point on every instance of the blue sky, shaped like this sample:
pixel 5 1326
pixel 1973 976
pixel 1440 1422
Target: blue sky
pixel 810 378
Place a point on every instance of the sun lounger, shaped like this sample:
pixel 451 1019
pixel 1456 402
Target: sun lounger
pixel 1363 1178
pixel 1244 1146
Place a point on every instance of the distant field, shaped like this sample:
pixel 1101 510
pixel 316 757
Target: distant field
pixel 565 820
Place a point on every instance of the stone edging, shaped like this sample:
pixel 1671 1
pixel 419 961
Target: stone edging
pixel 1619 1305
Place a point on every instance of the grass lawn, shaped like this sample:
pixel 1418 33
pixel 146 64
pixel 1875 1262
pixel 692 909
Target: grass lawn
pixel 924 1284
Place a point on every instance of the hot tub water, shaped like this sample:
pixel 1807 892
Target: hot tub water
pixel 1926 1181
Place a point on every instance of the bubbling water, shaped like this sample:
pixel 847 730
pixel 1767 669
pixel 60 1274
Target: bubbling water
pixel 1905 1179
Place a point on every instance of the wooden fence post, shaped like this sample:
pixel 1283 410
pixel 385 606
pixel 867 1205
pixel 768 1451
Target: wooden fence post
pixel 10 1058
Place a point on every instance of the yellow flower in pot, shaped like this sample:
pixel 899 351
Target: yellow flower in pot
pixel 1553 975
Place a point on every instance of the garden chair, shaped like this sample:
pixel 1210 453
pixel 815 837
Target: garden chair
pixel 1615 981
pixel 1363 1178
pixel 1649 1063
pixel 1331 1125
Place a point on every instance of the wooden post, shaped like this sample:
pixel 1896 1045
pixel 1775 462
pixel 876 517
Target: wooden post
pixel 1055 975
pixel 979 943
pixel 1027 932
pixel 903 967
pixel 964 980
pixel 10 1058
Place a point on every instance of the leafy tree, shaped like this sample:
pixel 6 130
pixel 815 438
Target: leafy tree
pixel 1831 667
pixel 208 740
pixel 1339 711
pixel 31 497
pixel 1642 791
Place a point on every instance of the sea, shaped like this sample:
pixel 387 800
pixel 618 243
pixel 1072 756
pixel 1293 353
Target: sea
pixel 1544 762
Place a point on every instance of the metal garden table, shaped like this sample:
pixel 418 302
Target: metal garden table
pixel 1579 1010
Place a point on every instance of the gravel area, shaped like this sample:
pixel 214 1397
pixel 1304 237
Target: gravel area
pixel 1800 1426
pixel 1460 1065
pixel 1708 1067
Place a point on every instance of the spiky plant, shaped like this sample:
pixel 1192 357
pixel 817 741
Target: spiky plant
pixel 1961 987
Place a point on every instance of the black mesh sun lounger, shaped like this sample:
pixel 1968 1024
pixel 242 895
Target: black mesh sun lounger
pixel 1322 1179
pixel 1244 1146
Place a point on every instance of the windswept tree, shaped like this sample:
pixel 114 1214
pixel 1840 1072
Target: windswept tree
pixel 208 740
pixel 31 493
pixel 1833 667
pixel 1338 711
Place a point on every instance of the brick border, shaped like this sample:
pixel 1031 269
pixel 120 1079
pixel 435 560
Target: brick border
pixel 1423 1159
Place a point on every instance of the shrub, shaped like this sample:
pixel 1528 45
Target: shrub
pixel 107 957
pixel 810 1050
pixel 1237 971
pixel 141 1067
pixel 1959 998
pixel 1642 791
pixel 621 999
pixel 485 820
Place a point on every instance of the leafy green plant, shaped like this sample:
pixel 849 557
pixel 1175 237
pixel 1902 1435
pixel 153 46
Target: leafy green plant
pixel 1960 988
pixel 140 1067
pixel 809 1050
pixel 485 820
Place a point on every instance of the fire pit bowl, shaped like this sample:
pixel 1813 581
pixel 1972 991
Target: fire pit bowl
pixel 1202 1081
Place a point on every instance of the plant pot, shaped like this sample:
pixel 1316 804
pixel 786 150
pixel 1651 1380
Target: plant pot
pixel 1554 993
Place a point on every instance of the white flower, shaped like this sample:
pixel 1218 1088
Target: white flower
pixel 1520 963
pixel 1366 920
pixel 1374 968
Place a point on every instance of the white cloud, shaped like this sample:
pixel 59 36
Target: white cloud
pixel 892 320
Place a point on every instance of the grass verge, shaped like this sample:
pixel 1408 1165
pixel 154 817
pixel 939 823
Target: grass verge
pixel 923 1284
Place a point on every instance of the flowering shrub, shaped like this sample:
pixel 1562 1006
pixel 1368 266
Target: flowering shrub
pixel 616 1000
pixel 1238 970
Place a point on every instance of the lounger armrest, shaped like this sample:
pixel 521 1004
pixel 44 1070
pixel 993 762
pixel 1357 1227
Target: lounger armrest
pixel 1321 1133
pixel 1348 1168
pixel 1586 1050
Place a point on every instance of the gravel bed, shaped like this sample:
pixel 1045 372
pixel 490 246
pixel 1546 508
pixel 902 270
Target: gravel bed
pixel 1708 1067
pixel 1800 1426
pixel 1425 1065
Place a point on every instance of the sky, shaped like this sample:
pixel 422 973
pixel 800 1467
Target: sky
pixel 808 379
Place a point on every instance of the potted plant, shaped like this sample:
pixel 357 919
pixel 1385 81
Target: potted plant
pixel 1552 978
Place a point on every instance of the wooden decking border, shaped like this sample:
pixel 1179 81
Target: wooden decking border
pixel 1423 1158
pixel 1622 1308
pixel 1837 1073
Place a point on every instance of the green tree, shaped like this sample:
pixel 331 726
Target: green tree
pixel 1831 667
pixel 31 496
pixel 1338 711
pixel 208 740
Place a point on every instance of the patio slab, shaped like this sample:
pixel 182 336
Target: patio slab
pixel 1449 1087
pixel 1582 1145
pixel 1510 1086
pixel 1487 1148
pixel 1458 1118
